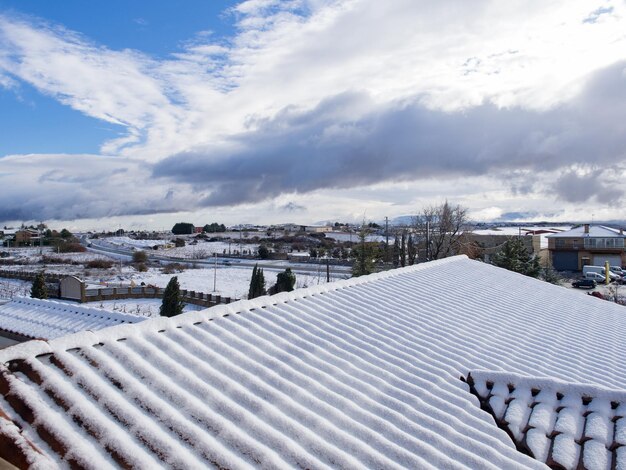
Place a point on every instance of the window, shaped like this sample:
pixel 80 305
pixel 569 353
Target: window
pixel 604 243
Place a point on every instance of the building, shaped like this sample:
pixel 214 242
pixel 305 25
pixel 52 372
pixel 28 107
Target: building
pixel 409 368
pixel 587 245
pixel 26 237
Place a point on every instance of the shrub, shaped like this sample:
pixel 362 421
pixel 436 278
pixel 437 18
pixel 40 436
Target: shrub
pixel 141 267
pixel 55 260
pixel 264 253
pixel 71 247
pixel 179 243
pixel 284 282
pixel 140 257
pixel 172 268
pixel 99 264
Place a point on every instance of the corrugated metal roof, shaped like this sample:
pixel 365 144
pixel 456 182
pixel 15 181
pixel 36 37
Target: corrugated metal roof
pixel 48 319
pixel 363 373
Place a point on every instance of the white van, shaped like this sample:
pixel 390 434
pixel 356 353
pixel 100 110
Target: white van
pixel 600 270
pixel 593 276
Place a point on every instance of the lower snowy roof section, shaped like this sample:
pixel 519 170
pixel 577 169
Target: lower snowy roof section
pixel 48 319
pixel 565 425
pixel 362 373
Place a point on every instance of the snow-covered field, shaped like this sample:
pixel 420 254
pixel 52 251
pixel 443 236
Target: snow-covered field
pixel 130 242
pixel 207 249
pixel 354 237
pixel 34 255
pixel 229 281
pixel 10 288
pixel 141 307
pixel 202 249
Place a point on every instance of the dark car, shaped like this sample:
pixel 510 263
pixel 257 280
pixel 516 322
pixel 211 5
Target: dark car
pixel 584 284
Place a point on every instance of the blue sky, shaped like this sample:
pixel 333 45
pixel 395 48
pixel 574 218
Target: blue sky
pixel 31 122
pixel 265 111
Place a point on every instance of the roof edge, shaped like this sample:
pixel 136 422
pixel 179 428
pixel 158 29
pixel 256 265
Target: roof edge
pixel 552 384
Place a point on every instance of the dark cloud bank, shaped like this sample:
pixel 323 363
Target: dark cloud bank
pixel 324 148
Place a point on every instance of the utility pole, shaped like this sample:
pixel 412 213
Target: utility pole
pixel 428 240
pixel 41 237
pixel 214 272
pixel 386 239
pixel 327 270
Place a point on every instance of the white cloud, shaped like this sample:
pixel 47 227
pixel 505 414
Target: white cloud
pixel 219 98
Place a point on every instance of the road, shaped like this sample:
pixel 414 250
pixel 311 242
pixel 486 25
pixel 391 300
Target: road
pixel 276 265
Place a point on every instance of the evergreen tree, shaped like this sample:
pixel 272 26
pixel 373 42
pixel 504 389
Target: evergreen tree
pixel 363 256
pixel 551 276
pixel 515 257
pixel 172 300
pixel 396 252
pixel 39 289
pixel 183 228
pixel 403 249
pixel 264 252
pixel 284 282
pixel 257 283
pixel 411 250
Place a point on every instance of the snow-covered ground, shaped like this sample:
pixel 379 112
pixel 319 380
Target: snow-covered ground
pixel 34 255
pixel 205 250
pixel 130 242
pixel 229 281
pixel 202 249
pixel 10 288
pixel 354 237
pixel 141 307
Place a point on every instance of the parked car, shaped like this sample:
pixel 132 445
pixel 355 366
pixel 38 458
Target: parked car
pixel 594 276
pixel 584 284
pixel 600 270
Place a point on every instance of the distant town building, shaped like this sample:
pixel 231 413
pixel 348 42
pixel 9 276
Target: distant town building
pixel 587 245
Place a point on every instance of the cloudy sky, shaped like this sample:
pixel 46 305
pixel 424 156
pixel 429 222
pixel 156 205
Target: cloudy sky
pixel 146 113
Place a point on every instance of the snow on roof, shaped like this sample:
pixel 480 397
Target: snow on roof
pixel 48 319
pixel 594 231
pixel 564 425
pixel 359 373
pixel 518 230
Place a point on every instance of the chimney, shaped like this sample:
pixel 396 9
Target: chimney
pixel 586 228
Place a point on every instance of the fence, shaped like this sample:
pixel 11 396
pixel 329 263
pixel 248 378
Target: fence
pixel 30 275
pixel 72 288
pixel 150 292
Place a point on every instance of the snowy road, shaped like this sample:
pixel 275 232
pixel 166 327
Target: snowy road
pixel 302 268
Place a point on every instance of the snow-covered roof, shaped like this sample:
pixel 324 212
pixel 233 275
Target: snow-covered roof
pixel 564 425
pixel 518 230
pixel 364 372
pixel 594 231
pixel 48 319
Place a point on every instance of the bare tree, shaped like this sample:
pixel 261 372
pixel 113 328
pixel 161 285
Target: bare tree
pixel 440 228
